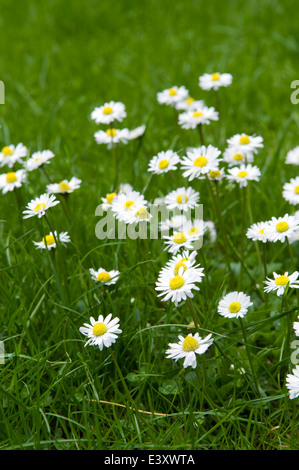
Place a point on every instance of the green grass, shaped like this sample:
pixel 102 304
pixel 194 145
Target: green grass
pixel 58 61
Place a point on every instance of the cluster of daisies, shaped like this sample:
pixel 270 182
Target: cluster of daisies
pixel 179 280
pixel 15 156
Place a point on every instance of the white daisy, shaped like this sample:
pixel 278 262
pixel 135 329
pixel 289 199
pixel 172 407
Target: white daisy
pixel 125 188
pixel 210 229
pixel 256 232
pixel 109 112
pixel 192 119
pixel 215 175
pixel 296 327
pixel 182 199
pixel 200 161
pixel 236 156
pixel 40 205
pixel 107 201
pixel 101 275
pixel 138 216
pixel 49 241
pixel 64 186
pixel 176 241
pixel 173 95
pixel 112 136
pixel 137 132
pixel 125 205
pixel 278 229
pixel 101 332
pixel 38 159
pixel 164 162
pixel 178 287
pixel 11 180
pixel 189 104
pixel 292 383
pixel 243 174
pixel 188 347
pixel 281 281
pixel 234 305
pixel 215 80
pixel 174 223
pixel 11 154
pixel 291 191
pixel 292 157
pixel 247 143
pixel 183 260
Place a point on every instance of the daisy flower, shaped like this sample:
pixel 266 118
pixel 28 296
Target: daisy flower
pixel 182 199
pixel 164 162
pixel 101 275
pixel 102 332
pixel 243 174
pixel 278 229
pixel 292 383
pixel 296 327
pixel 188 347
pixel 189 104
pixel 64 186
pixel 125 188
pixel 49 241
pixel 109 112
pixel 107 201
pixel 173 95
pixel 247 143
pixel 125 205
pixel 234 305
pixel 183 260
pixel 292 157
pixel 11 154
pixel 178 240
pixel 192 119
pixel 200 161
pixel 11 180
pixel 137 132
pixel 256 232
pixel 280 282
pixel 38 159
pixel 138 216
pixel 112 136
pixel 175 223
pixel 178 287
pixel 40 205
pixel 237 156
pixel 291 191
pixel 210 229
pixel 215 175
pixel 215 80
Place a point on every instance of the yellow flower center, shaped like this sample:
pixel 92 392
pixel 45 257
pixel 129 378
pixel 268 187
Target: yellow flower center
pixel 197 114
pixel 37 159
pixel 281 280
pixel 262 231
pixel 142 213
pixel 110 197
pixel 200 161
pixel 49 240
pixel 99 329
pixel 64 186
pixel 215 77
pixel 38 207
pixel 176 282
pixel 107 110
pixel 234 307
pixel 172 91
pixel 242 174
pixel 238 157
pixel 182 198
pixel 282 227
pixel 103 277
pixel 296 190
pixel 244 139
pixel 11 177
pixel 193 231
pixel 179 265
pixel 190 344
pixel 189 101
pixel 7 151
pixel 111 132
pixel 163 164
pixel 179 237
pixel 129 204
pixel 214 173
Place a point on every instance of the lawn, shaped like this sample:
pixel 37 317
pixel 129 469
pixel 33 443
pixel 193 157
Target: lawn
pixel 59 61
